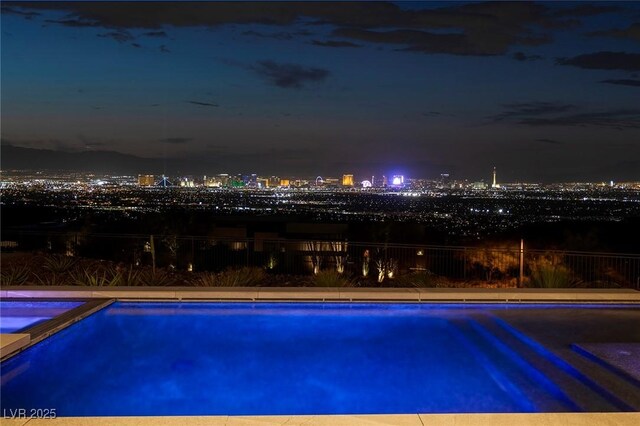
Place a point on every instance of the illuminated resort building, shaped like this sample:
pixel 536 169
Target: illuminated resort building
pixel 146 180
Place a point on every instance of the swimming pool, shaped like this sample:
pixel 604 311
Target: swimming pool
pixel 308 358
pixel 17 315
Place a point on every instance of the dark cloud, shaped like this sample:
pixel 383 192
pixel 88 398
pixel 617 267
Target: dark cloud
pixel 207 104
pixel 528 109
pixel 418 41
pixel 487 28
pixel 155 34
pixel 334 43
pixel 136 45
pixel 623 82
pixel 558 114
pixel 74 23
pixel 176 141
pixel 522 57
pixel 119 36
pixel 587 10
pixel 604 61
pixel 618 119
pixel 164 49
pixel 13 11
pixel 437 114
pixel 632 32
pixel 550 141
pixel 277 36
pixel 288 75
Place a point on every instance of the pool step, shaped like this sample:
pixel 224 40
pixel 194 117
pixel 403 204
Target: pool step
pixel 589 383
pixel 528 388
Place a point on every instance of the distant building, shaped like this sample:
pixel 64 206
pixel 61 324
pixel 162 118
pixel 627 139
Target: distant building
pixel 397 180
pixel 284 182
pixel 146 180
pixel 347 180
pixel 495 183
pixel 187 182
pixel 331 181
pixel 445 180
pixel 274 181
pixel 479 185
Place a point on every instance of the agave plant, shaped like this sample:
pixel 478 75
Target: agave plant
pixel 51 279
pixel 245 276
pixel 552 276
pixel 14 275
pixel 549 272
pixel 58 264
pixel 97 278
pixel 156 278
pixel 331 279
pixel 130 278
pixel 206 279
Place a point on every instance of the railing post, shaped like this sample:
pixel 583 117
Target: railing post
pixel 464 266
pixel 521 276
pixel 153 254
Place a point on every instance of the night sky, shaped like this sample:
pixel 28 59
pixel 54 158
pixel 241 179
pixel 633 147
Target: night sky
pixel 543 91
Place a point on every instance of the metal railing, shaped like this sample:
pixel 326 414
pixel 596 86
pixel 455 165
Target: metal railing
pixel 377 262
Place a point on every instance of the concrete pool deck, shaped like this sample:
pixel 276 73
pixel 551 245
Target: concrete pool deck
pixel 329 294
pixel 12 342
pixel 568 419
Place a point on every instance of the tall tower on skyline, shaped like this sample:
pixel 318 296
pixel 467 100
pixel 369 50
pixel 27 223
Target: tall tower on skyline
pixel 494 184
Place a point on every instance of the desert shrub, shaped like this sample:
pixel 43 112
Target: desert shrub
pixel 105 277
pixel 546 273
pixel 331 279
pixel 206 279
pixel 497 261
pixel 157 278
pixel 236 277
pixel 130 277
pixel 15 275
pixel 241 277
pixel 52 279
pixel 419 279
pixel 58 264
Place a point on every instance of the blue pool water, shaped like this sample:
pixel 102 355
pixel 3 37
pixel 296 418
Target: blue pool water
pixel 16 315
pixel 285 358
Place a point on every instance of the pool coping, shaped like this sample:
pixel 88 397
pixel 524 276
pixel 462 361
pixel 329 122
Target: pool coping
pixel 493 419
pixel 10 347
pixel 329 294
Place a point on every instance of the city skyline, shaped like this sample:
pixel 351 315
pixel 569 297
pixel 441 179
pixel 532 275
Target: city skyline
pixel 542 91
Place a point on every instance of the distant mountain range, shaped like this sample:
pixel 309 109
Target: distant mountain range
pixel 111 162
pixel 108 162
